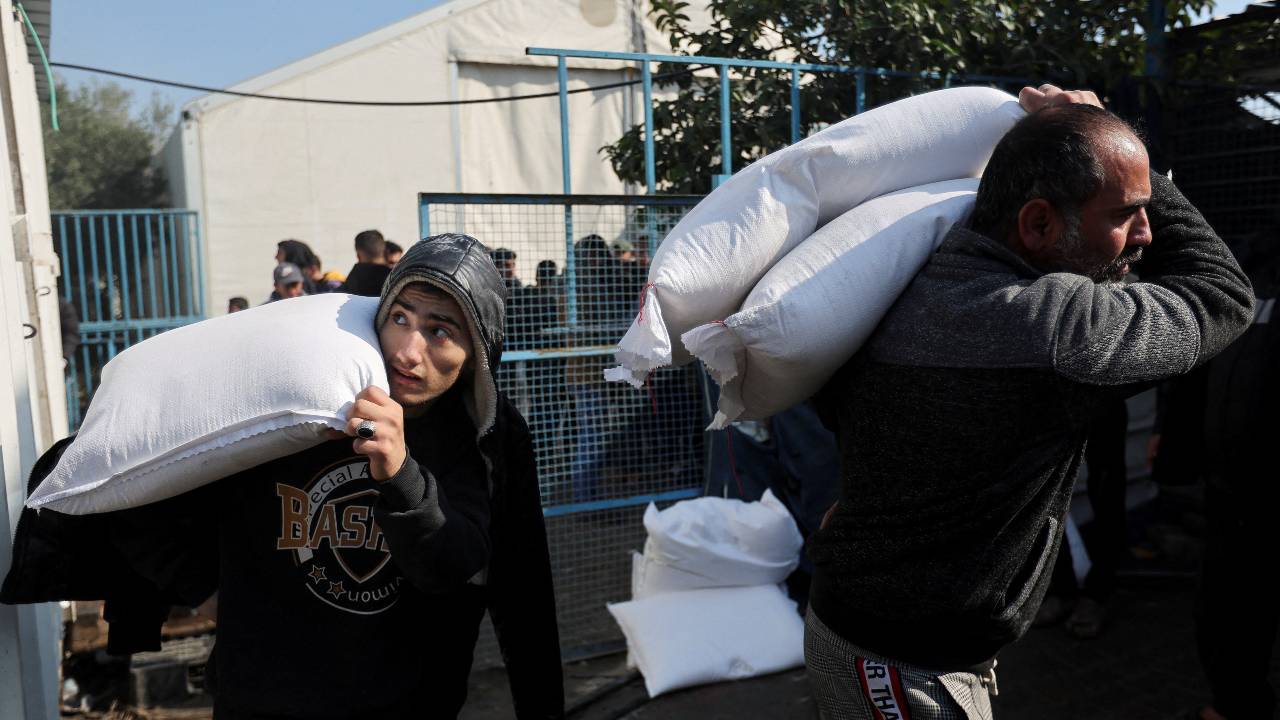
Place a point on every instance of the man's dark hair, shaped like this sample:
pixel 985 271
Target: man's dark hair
pixel 390 248
pixel 239 303
pixel 593 246
pixel 546 271
pixel 502 254
pixel 371 244
pixel 1053 154
pixel 297 252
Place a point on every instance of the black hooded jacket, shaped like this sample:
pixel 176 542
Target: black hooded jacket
pixel 339 596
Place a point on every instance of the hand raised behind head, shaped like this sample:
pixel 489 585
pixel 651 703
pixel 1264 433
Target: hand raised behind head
pixel 1032 99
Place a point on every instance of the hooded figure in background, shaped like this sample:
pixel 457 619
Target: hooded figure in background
pixel 351 577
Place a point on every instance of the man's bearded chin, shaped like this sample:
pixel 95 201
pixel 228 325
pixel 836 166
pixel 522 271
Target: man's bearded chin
pixel 1071 251
pixel 1115 270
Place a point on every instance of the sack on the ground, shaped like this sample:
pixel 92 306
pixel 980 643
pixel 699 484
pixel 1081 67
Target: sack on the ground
pixel 719 251
pixel 717 542
pixel 816 307
pixel 703 636
pixel 208 400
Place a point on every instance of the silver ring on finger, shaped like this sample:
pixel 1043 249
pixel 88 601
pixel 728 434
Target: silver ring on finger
pixel 366 429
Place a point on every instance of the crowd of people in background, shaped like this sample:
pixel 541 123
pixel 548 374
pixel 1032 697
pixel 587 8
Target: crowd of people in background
pixel 608 278
pixel 300 271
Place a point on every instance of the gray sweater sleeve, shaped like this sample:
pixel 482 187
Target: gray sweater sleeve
pixel 1192 302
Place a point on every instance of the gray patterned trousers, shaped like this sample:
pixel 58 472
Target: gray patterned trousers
pixel 852 684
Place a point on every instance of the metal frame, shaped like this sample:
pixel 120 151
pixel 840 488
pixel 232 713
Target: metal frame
pixel 174 281
pixel 567 202
pixel 723 65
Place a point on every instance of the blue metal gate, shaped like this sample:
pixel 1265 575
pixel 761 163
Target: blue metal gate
pixel 127 275
pixel 577 266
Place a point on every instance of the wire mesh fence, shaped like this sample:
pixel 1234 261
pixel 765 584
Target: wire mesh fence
pixel 1225 150
pixel 576 267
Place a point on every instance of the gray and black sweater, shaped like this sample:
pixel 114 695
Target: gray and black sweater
pixel 962 424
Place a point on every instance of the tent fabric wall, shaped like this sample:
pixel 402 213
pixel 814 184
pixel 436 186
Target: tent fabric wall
pixel 260 171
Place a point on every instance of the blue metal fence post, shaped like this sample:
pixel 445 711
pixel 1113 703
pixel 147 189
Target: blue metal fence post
pixel 151 269
pixel 726 150
pixel 795 106
pixel 124 273
pixel 175 277
pixel 650 173
pixel 860 97
pixel 96 272
pixel 137 270
pixel 571 309
pixel 562 75
pixel 1154 56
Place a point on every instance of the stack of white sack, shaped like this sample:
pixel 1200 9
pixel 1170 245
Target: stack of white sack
pixel 712 259
pixel 706 603
pixel 199 403
pixel 816 307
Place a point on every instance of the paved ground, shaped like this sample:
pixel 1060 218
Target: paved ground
pixel 1142 667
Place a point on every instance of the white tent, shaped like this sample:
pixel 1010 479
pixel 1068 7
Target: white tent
pixel 260 171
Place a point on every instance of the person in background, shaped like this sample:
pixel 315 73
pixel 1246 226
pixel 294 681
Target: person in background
pixel 288 281
pixel 322 281
pixel 70 330
pixel 624 251
pixel 300 254
pixel 790 453
pixel 370 271
pixel 505 260
pixel 236 304
pixel 594 269
pixel 1229 417
pixel 393 253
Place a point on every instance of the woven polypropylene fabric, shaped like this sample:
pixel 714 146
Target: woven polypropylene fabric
pixel 720 249
pixel 205 401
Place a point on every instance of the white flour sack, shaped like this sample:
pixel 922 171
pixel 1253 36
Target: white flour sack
pixel 204 401
pixel 704 636
pixel 816 307
pixel 706 266
pixel 717 542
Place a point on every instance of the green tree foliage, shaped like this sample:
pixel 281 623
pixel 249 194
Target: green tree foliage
pixel 104 155
pixel 1072 43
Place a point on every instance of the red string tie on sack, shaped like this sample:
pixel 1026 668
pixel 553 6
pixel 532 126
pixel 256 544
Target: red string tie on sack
pixel 644 295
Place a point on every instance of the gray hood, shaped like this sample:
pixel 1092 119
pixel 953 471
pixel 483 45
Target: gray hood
pixel 460 265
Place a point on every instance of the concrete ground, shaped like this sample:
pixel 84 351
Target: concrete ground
pixel 1142 667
